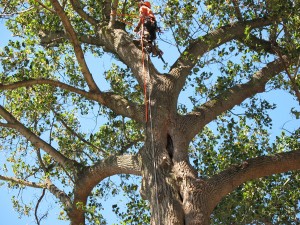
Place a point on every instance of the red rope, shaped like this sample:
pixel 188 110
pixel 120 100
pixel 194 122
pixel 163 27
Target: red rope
pixel 144 74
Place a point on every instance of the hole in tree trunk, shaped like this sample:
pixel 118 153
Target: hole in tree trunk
pixel 169 146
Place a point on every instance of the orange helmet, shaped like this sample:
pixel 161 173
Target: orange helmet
pixel 147 4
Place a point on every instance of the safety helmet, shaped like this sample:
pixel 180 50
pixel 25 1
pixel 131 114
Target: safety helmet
pixel 147 4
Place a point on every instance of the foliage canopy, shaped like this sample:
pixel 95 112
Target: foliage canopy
pixel 73 110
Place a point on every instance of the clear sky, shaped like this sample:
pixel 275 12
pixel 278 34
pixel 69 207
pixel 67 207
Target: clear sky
pixel 10 217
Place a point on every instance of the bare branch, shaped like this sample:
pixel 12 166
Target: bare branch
pixel 256 44
pixel 37 206
pixel 50 39
pixel 291 77
pixel 263 166
pixel 22 182
pixel 76 44
pixel 106 9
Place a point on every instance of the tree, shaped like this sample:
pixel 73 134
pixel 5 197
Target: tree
pixel 187 168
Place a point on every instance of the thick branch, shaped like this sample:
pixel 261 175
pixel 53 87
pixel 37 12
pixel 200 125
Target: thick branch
pixel 182 67
pixel 232 97
pixel 229 179
pixel 116 164
pixel 62 196
pixel 35 140
pixel 115 102
pixel 76 44
pixel 77 7
pixel 256 44
pixel 22 182
pixel 118 42
pixel 54 38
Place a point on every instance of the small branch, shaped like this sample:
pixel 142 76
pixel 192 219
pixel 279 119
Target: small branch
pixel 197 48
pixel 77 7
pixel 113 14
pixel 50 39
pixel 37 206
pixel 256 44
pixel 15 13
pixel 106 9
pixel 44 6
pixel 292 78
pixel 76 134
pixel 22 182
pixel 237 10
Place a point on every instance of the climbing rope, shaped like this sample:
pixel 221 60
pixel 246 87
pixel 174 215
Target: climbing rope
pixel 144 73
pixel 153 150
pixel 148 114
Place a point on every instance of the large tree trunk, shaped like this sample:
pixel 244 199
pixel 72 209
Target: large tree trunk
pixel 176 194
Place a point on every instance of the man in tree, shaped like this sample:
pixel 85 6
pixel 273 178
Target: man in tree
pixel 206 159
pixel 149 27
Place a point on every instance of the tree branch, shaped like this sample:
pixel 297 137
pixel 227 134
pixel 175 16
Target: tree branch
pixel 77 7
pixel 231 97
pixel 76 44
pixel 22 182
pixel 115 102
pixel 62 196
pixel 256 44
pixel 54 38
pixel 113 14
pixel 44 6
pixel 37 206
pixel 106 9
pixel 188 59
pixel 229 179
pixel 76 134
pixel 115 164
pixel 291 77
pixel 237 10
pixel 35 140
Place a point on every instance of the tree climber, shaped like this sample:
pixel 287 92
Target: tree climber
pixel 149 28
